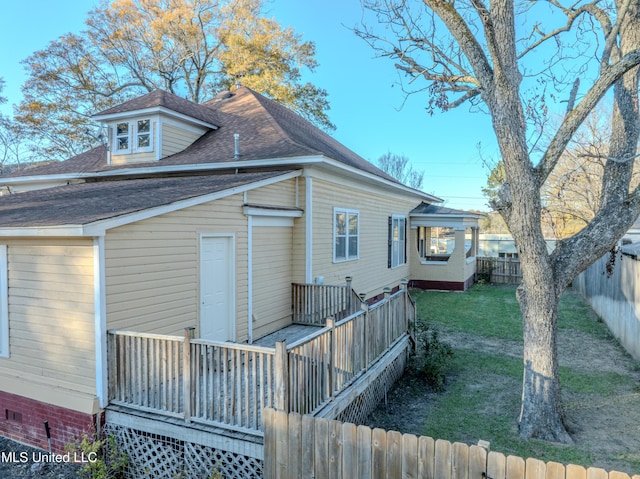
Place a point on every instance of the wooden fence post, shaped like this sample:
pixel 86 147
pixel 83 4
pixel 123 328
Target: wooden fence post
pixel 330 324
pixel 281 377
pixel 186 373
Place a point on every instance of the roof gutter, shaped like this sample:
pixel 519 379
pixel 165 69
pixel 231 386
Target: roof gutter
pixel 292 162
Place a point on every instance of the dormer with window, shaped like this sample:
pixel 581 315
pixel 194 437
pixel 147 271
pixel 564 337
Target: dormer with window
pixel 153 127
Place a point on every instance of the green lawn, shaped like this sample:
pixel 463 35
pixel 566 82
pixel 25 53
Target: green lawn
pixel 482 395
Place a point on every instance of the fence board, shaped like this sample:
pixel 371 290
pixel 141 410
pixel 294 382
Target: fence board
pixel 596 473
pixel 308 445
pixel 378 454
pixel 496 465
pixel 364 438
pixel 426 455
pixel 293 446
pixel 442 460
pixel 335 450
pixel 535 469
pixel 460 461
pixel 477 461
pixel 515 467
pixel 409 456
pixel 555 470
pixel 321 450
pixel 350 450
pixel 575 472
pixel 394 454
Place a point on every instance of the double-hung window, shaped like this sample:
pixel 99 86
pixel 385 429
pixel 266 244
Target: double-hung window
pixel 133 136
pixel 346 234
pixel 4 304
pixel 397 241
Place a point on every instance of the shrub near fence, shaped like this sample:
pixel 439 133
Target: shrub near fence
pixel 303 446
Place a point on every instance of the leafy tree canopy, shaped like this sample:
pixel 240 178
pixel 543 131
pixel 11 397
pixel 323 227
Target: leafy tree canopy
pixel 193 48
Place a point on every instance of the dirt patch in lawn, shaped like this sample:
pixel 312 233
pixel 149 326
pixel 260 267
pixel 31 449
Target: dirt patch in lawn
pixel 601 396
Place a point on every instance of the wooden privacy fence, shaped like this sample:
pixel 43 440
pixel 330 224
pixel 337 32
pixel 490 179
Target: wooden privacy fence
pixel 229 384
pixel 499 270
pixel 303 446
pixel 313 303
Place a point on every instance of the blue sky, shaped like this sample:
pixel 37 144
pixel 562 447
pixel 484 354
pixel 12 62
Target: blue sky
pixel 366 102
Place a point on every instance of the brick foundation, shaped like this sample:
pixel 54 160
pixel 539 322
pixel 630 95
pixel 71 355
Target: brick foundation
pixel 22 420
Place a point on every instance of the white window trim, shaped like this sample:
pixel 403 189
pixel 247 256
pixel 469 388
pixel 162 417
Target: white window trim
pixel 347 211
pixel 395 218
pixel 133 137
pixel 4 304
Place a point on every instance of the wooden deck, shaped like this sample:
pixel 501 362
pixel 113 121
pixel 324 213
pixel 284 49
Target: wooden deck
pixel 289 334
pixel 300 368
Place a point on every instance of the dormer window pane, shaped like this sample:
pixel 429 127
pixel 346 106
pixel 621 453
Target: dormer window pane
pixel 144 126
pixel 144 141
pixel 122 136
pixel 122 129
pixel 144 134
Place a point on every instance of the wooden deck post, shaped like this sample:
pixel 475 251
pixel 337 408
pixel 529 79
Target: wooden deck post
pixel 387 332
pixel 331 323
pixel 405 302
pixel 186 373
pixel 281 377
pixel 348 280
pixel 365 331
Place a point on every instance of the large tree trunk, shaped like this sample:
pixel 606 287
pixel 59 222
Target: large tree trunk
pixel 541 412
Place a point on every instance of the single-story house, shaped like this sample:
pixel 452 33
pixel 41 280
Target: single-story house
pixel 197 215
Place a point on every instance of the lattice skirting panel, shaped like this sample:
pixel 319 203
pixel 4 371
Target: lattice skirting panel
pixel 363 405
pixel 153 455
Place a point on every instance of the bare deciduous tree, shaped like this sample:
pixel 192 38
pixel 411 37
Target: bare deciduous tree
pixel 512 61
pixel 193 48
pixel 399 167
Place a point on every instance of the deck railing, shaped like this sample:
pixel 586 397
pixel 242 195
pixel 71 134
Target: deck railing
pixel 313 303
pixel 325 363
pixel 228 385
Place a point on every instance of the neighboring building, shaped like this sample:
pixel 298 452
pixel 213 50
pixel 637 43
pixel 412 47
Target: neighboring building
pixel 192 216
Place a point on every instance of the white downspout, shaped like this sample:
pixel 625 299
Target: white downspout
pixel 100 320
pixel 308 206
pixel 250 278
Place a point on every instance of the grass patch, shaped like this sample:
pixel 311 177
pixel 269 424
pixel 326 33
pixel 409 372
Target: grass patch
pixel 483 387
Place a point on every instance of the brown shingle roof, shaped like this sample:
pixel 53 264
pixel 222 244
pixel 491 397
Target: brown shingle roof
pixel 161 98
pixel 267 130
pixel 86 203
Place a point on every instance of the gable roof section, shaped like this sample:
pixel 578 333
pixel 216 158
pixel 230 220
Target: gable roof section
pixel 160 99
pixel 117 202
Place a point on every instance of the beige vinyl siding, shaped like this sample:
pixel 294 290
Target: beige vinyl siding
pixel 152 268
pixel 279 194
pixel 131 158
pixel 51 318
pixel 370 272
pixel 176 139
pixel 272 269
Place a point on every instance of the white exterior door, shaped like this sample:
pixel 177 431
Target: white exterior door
pixel 217 290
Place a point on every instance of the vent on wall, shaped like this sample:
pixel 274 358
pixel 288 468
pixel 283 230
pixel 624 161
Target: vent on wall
pixel 13 416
